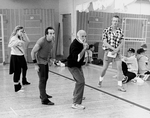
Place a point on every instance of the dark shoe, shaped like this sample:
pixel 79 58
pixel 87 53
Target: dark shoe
pixel 125 80
pixel 17 87
pixel 48 96
pixel 47 102
pixel 25 83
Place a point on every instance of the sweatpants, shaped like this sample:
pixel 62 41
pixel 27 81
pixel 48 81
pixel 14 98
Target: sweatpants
pixel 78 76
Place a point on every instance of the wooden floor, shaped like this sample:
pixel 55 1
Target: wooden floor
pixel 105 102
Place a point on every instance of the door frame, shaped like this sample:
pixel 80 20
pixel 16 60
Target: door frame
pixel 63 32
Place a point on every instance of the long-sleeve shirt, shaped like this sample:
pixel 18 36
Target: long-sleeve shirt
pixel 132 64
pixel 16 46
pixel 142 63
pixel 75 48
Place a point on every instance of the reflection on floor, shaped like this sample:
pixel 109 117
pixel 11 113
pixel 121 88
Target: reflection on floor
pixel 105 102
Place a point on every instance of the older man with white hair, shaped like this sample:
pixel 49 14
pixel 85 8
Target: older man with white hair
pixel 75 62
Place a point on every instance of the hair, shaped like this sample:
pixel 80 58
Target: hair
pixel 144 46
pixel 46 30
pixel 91 46
pixel 116 16
pixel 79 32
pixel 16 29
pixel 131 50
pixel 140 50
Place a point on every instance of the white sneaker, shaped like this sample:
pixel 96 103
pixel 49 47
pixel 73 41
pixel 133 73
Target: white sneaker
pixel 101 78
pixel 100 84
pixel 121 88
pixel 77 106
pixel 20 91
pixel 145 77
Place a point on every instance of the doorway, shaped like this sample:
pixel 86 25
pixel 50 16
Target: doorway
pixel 66 34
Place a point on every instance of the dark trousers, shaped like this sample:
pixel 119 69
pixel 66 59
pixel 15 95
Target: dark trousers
pixel 18 65
pixel 78 76
pixel 43 77
pixel 17 74
pixel 130 75
pixel 148 72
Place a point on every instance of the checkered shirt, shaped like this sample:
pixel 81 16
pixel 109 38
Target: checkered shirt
pixel 113 39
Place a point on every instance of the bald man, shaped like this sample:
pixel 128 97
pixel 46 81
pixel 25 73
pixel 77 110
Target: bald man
pixel 75 61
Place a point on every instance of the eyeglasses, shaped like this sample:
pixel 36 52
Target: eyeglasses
pixel 84 36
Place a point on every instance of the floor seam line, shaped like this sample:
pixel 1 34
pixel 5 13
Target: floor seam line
pixel 138 105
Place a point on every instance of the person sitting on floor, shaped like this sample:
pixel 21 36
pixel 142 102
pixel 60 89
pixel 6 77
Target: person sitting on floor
pixel 89 54
pixel 129 66
pixel 142 62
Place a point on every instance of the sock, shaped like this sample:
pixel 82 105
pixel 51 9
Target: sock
pixel 16 83
pixel 101 78
pixel 119 83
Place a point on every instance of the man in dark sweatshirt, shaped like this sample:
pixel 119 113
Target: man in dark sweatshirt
pixel 75 61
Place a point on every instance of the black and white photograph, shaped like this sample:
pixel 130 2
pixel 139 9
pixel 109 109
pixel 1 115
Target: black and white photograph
pixel 75 58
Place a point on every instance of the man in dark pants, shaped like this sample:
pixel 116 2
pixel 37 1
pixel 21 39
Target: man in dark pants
pixel 40 55
pixel 75 61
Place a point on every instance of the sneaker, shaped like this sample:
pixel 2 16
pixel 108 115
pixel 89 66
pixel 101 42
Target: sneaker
pixel 145 77
pixel 120 88
pixel 77 106
pixel 100 84
pixel 20 91
pixel 125 80
pixel 133 80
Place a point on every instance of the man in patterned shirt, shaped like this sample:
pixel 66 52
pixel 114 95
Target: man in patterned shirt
pixel 112 42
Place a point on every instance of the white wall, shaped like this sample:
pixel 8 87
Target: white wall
pixel 68 7
pixel 32 4
pixel 134 8
pixel 20 4
pixel 139 8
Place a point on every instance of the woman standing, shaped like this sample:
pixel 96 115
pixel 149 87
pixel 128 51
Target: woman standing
pixel 18 62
